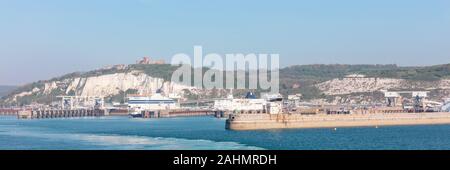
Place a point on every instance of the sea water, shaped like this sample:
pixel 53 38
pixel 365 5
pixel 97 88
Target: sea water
pixel 123 133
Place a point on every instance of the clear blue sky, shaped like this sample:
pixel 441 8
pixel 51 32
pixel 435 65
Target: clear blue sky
pixel 40 39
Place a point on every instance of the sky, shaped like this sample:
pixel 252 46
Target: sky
pixel 47 38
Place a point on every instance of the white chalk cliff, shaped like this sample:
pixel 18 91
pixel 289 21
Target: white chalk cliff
pixel 108 85
pixel 340 86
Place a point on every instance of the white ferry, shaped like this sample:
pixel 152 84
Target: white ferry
pixel 269 103
pixel 139 103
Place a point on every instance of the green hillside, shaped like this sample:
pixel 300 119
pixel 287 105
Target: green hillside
pixel 293 79
pixel 307 75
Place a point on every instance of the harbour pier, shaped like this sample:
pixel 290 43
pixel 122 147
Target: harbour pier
pixel 8 112
pixel 190 113
pixel 59 113
pixel 175 113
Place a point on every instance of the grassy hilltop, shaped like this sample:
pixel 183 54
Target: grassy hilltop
pixel 293 79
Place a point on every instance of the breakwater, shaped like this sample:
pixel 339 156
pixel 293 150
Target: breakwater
pixel 286 121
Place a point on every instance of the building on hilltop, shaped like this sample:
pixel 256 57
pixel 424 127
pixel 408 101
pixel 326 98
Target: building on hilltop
pixel 148 60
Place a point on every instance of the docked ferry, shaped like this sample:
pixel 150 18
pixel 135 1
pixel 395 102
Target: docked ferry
pixel 139 103
pixel 269 103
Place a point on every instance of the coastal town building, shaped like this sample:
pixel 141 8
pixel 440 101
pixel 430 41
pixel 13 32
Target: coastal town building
pixel 148 60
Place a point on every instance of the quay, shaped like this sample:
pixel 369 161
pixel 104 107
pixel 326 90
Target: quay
pixel 175 113
pixel 288 121
pixel 190 113
pixel 8 112
pixel 59 113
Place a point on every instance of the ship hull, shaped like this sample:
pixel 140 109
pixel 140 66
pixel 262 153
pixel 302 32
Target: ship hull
pixel 136 115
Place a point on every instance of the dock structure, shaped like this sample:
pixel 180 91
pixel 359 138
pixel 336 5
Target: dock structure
pixel 8 112
pixel 288 121
pixel 175 113
pixel 77 102
pixel 227 113
pixel 188 113
pixel 49 114
pixel 70 106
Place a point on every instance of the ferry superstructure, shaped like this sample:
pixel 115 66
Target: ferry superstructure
pixel 155 102
pixel 269 103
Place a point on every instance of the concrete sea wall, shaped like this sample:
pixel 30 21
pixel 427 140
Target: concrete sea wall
pixel 287 121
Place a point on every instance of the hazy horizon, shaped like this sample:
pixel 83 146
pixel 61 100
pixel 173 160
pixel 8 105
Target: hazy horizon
pixel 49 38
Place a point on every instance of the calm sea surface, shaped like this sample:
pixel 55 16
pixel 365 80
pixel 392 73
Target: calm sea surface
pixel 206 133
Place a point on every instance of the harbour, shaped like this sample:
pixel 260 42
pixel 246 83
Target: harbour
pixel 224 84
pixel 271 111
pixel 206 133
pixel 159 119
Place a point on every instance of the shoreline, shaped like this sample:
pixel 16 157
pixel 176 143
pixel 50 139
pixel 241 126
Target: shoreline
pixel 294 121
